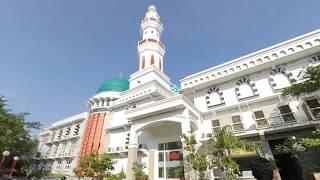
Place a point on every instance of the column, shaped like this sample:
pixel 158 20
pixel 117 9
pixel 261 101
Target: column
pixel 267 153
pixel 132 153
pixel 186 129
pixel 151 164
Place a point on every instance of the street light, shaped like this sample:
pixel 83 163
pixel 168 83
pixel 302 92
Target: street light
pixel 13 165
pixel 4 155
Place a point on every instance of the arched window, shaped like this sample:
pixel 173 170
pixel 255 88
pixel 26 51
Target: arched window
pixel 280 78
pixel 214 97
pixel 143 63
pixel 245 88
pixel 152 60
pixel 315 59
pixel 160 63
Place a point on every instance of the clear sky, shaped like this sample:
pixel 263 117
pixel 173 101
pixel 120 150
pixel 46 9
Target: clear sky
pixel 54 54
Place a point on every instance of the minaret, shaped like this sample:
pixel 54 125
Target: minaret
pixel 150 49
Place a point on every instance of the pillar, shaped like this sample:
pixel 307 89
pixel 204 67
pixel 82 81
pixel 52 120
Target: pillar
pixel 132 153
pixel 265 148
pixel 186 129
pixel 151 164
pixel 132 158
pixel 267 154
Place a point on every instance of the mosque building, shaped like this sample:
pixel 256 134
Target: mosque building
pixel 142 119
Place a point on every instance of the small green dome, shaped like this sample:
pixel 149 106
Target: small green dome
pixel 114 84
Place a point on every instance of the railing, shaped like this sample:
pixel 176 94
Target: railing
pixel 151 40
pixel 276 120
pixel 237 127
pixel 315 112
pixel 116 149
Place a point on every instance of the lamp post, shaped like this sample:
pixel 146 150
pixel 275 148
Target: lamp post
pixel 4 155
pixel 13 165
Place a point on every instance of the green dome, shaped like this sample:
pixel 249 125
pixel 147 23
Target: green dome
pixel 114 84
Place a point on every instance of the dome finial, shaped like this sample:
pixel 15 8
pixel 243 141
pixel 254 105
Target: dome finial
pixel 152 8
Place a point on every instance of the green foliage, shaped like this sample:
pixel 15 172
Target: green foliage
pixel 294 146
pixel 197 159
pixel 38 174
pixel 179 172
pixel 310 83
pixel 120 176
pixel 219 148
pixel 138 171
pixel 15 134
pixel 95 165
pixel 216 154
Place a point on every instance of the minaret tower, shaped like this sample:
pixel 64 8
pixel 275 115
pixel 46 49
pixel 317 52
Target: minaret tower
pixel 150 49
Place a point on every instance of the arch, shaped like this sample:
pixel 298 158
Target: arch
pixel 152 60
pixel 160 64
pixel 176 119
pixel 214 101
pixel 315 59
pixel 246 81
pixel 282 71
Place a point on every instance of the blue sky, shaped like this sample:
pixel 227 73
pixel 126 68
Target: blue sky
pixel 55 54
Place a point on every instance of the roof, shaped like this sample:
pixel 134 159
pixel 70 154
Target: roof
pixel 114 84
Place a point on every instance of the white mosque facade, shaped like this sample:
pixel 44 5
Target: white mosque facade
pixel 142 119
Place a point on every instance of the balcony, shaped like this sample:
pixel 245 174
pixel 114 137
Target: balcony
pixel 276 120
pixel 315 112
pixel 118 149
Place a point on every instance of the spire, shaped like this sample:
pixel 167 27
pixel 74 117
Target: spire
pixel 150 49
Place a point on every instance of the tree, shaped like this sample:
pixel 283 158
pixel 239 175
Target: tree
pixel 293 146
pixel 197 158
pixel 138 171
pixel 310 82
pixel 95 165
pixel 217 153
pixel 15 133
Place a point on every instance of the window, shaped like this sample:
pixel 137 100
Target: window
pixel 170 158
pixel 260 119
pixel 68 129
pixel 53 135
pixel 76 129
pixel 314 107
pixel 237 123
pixel 215 124
pixel 152 60
pixel 286 114
pixel 245 88
pixel 59 164
pixel 245 91
pixel 214 97
pixel 68 164
pixel 280 81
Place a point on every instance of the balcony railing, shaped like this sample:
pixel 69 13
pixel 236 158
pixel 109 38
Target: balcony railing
pixel 315 113
pixel 276 120
pixel 237 127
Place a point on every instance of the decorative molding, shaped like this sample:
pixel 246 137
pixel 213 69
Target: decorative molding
pixel 281 71
pixel 214 90
pixel 250 83
pixel 273 53
pixel 315 58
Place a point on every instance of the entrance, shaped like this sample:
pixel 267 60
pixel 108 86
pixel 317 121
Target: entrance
pixel 289 168
pixel 170 161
